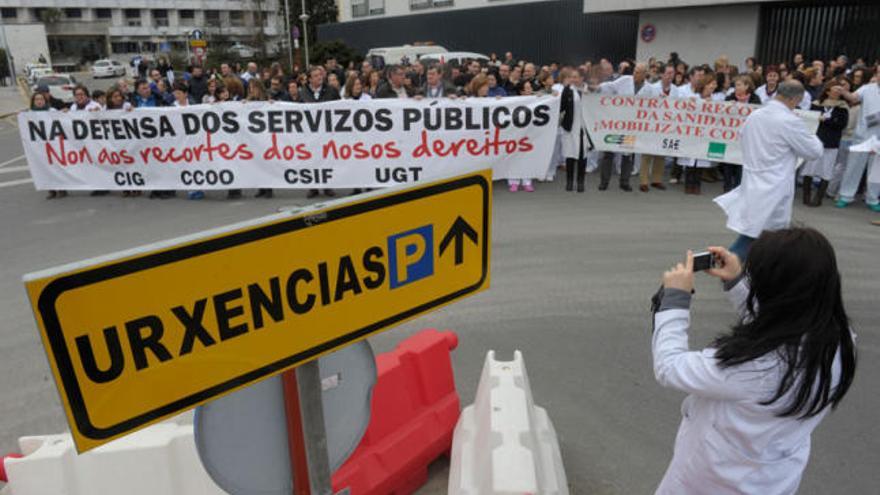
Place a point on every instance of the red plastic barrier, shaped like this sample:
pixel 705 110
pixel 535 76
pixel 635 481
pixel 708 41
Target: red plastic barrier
pixel 3 476
pixel 414 411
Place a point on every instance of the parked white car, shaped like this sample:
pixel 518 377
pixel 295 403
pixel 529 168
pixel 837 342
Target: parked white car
pixel 39 72
pixel 60 86
pixel 388 55
pixel 242 50
pixel 107 68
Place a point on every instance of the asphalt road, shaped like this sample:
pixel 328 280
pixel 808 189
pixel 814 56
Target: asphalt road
pixel 571 280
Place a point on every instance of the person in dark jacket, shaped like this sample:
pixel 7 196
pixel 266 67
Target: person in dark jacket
pixel 436 86
pixel 317 91
pixel 394 86
pixel 54 103
pixel 198 84
pixel 832 122
pixel 743 92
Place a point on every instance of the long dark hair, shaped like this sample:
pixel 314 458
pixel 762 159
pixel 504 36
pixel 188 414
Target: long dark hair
pixel 795 309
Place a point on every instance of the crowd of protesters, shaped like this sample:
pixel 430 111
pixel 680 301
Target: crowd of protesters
pixel 844 91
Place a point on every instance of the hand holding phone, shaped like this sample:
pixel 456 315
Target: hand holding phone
pixel 727 265
pixel 704 260
pixel 681 276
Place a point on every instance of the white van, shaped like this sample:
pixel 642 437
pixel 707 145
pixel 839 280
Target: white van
pixel 455 58
pixel 390 55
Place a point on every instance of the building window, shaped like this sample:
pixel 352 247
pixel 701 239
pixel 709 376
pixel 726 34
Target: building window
pixel 236 18
pixel 359 8
pixel 132 17
pixel 8 13
pixel 427 4
pixel 103 13
pixel 187 15
pixel 212 18
pixel 377 7
pixel 160 18
pixel 73 13
pixel 37 14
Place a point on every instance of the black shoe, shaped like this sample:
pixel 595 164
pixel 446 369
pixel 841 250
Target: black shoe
pixel 580 187
pixel 356 192
pixel 99 193
pixel 269 193
pixel 260 193
pixel 330 193
pixel 626 187
pixel 603 187
pixel 233 194
pixel 313 193
pixel 154 194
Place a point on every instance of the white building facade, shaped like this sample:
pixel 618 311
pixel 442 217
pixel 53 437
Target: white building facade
pixel 700 31
pixel 82 30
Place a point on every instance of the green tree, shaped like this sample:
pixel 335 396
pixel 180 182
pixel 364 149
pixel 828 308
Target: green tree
pixel 319 11
pixel 50 15
pixel 337 49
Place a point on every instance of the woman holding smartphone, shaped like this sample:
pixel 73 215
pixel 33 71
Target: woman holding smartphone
pixel 758 392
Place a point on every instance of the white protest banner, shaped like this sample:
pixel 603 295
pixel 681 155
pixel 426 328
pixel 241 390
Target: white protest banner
pixel 338 144
pixel 687 128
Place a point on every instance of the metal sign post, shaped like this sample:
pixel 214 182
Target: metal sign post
pixel 310 433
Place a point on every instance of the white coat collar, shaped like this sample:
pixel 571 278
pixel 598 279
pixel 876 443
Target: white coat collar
pixel 781 105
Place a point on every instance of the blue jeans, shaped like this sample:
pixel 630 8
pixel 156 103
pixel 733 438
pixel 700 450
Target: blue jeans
pixel 740 246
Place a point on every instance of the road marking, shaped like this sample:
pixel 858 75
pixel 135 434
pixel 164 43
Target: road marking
pixel 15 183
pixel 13 169
pixel 7 162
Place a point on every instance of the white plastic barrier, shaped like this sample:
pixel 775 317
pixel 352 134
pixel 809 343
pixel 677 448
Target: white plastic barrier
pixel 504 444
pixel 158 460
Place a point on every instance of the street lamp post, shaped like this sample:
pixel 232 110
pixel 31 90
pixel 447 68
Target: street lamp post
pixel 304 18
pixel 289 34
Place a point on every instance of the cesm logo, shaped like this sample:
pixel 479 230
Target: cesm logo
pixel 411 256
pixel 622 140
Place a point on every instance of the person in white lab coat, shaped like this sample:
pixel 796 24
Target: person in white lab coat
pixel 627 85
pixel 758 392
pixel 575 143
pixel 772 139
pixel 652 166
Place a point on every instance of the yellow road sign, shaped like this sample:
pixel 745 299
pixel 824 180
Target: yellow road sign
pixel 198 43
pixel 136 337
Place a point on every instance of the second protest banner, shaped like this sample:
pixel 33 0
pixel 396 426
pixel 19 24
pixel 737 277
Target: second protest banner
pixel 688 128
pixel 338 144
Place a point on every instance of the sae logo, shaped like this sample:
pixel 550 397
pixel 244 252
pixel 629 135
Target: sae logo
pixel 411 256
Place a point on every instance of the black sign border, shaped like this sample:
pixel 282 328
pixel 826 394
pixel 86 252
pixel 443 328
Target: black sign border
pixel 54 290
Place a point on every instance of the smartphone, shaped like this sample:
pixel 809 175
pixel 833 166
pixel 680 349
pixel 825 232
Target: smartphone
pixel 704 261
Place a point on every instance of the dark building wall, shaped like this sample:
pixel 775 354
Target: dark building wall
pixel 542 32
pixel 819 30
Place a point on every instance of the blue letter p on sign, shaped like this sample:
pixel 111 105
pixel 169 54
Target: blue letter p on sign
pixel 411 255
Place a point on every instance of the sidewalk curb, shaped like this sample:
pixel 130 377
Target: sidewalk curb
pixel 9 114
